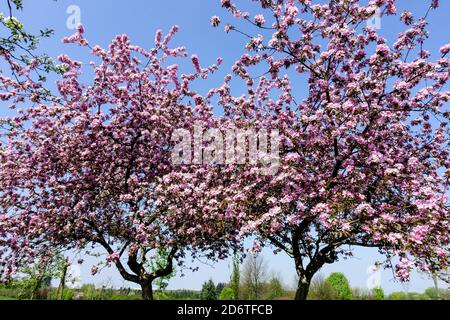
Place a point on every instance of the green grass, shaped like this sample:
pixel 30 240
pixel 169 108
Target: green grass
pixel 6 298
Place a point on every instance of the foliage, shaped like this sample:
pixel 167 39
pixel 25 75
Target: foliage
pixel 378 293
pixel 321 289
pixel 226 294
pixel 159 295
pixel 398 296
pixel 159 262
pixel 90 292
pixel 184 294
pixel 36 278
pixel 437 294
pixel 219 287
pixel 361 294
pixel 18 48
pixel 340 284
pixel 235 278
pixel 254 276
pixel 275 288
pixel 208 291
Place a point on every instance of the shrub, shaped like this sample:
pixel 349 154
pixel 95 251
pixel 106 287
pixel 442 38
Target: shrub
pixel 339 283
pixel 68 294
pixel 399 296
pixel 226 294
pixel 275 289
pixel 413 296
pixel 160 295
pixel 320 289
pixel 378 293
pixel 90 292
pixel 219 288
pixel 432 293
pixel 361 294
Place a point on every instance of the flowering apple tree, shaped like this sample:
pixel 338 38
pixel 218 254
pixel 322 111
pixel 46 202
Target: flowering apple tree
pixel 85 169
pixel 364 157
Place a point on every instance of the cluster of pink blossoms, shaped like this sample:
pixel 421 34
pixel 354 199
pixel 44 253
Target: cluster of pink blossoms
pixel 364 153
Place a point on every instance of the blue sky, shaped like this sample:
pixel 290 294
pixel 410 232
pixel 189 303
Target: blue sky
pixel 103 19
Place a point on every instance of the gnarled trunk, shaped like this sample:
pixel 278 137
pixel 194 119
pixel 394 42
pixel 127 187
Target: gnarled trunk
pixel 302 288
pixel 147 290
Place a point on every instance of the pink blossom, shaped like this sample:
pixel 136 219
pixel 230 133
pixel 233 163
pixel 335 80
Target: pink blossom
pixel 113 257
pixel 215 21
pixel 259 20
pixel 228 28
pixel 196 63
pixel 94 270
pixel 445 49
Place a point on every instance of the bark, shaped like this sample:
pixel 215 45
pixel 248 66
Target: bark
pixel 302 287
pixel 147 290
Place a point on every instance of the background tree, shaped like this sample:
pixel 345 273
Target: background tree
pixel 219 287
pixel 321 289
pixel 38 275
pixel 227 294
pixel 362 294
pixel 159 262
pixel 235 279
pixel 87 169
pixel 275 288
pixel 338 281
pixel 378 293
pixel 63 266
pixel 254 276
pixel 208 291
pixel 363 152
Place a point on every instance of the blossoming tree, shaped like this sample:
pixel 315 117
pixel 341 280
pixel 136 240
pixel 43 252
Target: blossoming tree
pixel 85 170
pixel 364 156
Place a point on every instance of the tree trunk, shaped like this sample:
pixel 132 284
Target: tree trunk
pixel 36 288
pixel 147 290
pixel 302 288
pixel 62 284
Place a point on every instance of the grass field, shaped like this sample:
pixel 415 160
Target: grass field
pixel 6 298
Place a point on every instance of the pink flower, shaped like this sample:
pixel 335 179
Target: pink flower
pixel 114 257
pixel 418 233
pixel 228 28
pixel 215 21
pixel 256 248
pixel 94 270
pixel 80 28
pixel 383 50
pixel 196 63
pixel 325 219
pixel 445 49
pixel 403 269
pixel 259 20
pixel 292 157
pixel 226 3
